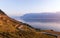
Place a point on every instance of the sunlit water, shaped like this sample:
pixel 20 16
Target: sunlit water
pixel 44 25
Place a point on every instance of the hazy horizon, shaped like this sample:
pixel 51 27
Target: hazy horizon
pixel 20 7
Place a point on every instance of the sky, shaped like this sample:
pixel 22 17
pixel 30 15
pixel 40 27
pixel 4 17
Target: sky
pixel 20 7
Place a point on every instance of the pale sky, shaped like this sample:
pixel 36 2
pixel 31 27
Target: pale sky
pixel 20 7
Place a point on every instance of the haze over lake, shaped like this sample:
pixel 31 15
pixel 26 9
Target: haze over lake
pixel 44 26
pixel 51 21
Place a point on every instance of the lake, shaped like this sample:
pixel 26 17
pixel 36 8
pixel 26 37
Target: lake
pixel 43 25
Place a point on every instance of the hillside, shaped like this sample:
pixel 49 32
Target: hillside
pixel 11 28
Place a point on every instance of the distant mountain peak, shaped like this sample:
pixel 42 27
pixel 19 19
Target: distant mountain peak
pixel 1 12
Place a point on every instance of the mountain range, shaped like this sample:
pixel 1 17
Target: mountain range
pixel 41 17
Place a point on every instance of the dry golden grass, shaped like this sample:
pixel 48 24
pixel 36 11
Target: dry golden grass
pixel 8 29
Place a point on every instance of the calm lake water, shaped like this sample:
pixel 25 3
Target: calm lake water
pixel 44 25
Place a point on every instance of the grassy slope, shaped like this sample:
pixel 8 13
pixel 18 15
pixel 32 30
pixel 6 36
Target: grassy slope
pixel 8 30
